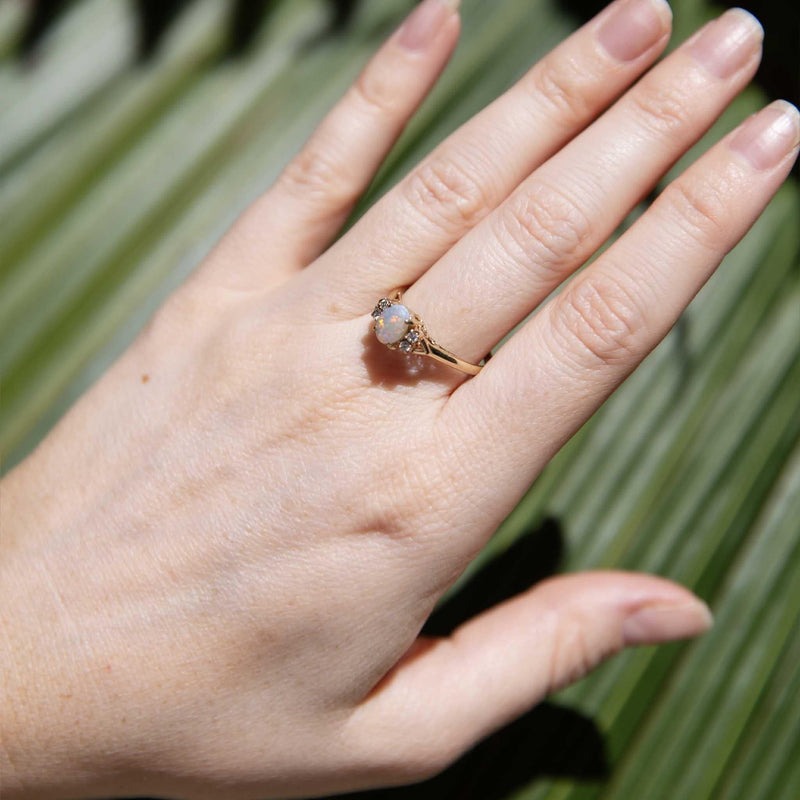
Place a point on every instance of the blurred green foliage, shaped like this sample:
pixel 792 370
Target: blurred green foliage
pixel 116 177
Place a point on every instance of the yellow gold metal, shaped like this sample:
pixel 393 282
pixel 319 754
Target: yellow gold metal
pixel 419 342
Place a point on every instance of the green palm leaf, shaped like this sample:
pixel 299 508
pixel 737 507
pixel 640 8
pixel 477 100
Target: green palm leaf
pixel 114 181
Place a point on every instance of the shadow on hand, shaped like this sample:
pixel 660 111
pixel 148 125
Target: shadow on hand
pixel 391 368
pixel 550 740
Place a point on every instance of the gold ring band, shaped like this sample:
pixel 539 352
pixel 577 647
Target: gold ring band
pixel 399 328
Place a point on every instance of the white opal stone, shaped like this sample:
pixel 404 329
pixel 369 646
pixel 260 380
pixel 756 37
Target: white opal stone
pixel 392 324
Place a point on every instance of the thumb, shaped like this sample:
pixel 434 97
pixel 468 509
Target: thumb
pixel 448 693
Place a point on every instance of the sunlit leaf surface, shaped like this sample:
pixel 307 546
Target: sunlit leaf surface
pixel 116 177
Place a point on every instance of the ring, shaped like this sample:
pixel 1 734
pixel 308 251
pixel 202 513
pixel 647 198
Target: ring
pixel 399 328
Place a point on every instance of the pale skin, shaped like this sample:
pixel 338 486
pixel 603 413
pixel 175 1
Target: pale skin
pixel 216 567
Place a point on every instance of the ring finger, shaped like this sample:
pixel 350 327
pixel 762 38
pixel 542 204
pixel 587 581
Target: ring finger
pixel 494 277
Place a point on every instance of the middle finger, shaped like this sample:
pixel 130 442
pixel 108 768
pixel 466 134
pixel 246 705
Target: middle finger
pixel 491 279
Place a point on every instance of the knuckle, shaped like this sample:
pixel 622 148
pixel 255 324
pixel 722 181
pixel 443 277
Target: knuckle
pixel 314 173
pixel 572 654
pixel 406 520
pixel 373 90
pixel 661 108
pixel 599 317
pixel 545 228
pixel 699 209
pixel 561 84
pixel 188 313
pixel 447 193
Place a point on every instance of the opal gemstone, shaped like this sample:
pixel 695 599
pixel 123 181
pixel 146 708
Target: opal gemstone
pixel 392 323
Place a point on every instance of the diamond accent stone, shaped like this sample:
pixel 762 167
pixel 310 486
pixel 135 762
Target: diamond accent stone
pixel 392 323
pixel 412 336
pixel 382 304
pixel 405 346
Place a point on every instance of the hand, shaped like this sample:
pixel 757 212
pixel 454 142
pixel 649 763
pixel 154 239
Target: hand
pixel 215 568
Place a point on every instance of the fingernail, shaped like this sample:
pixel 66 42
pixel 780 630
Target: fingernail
pixel 634 27
pixel 728 43
pixel 768 137
pixel 425 21
pixel 665 622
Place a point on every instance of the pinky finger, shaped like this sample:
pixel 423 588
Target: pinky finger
pixel 312 198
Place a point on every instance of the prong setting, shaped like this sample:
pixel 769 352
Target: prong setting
pixel 381 306
pixel 399 328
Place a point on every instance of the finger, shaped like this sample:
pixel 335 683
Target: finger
pixel 557 218
pixel 296 219
pixel 560 366
pixel 452 692
pixel 477 167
